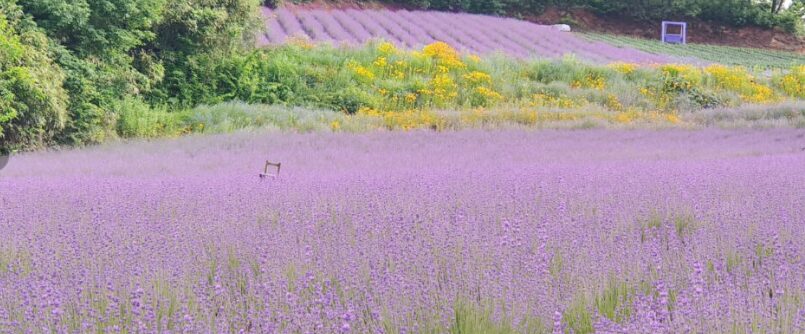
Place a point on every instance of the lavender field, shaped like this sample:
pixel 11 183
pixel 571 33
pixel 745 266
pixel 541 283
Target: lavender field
pixel 417 232
pixel 469 33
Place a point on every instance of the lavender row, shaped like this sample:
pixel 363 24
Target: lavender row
pixel 467 32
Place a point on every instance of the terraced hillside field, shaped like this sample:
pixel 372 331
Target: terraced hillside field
pixel 727 55
pixel 467 32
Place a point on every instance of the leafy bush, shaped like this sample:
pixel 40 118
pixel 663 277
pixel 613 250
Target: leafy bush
pixel 33 105
pixel 137 119
pixel 67 66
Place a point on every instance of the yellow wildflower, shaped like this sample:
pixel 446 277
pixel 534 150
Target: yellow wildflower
pixel 380 62
pixel 444 54
pixel 387 48
pixel 477 77
pixel 793 83
pixel 625 68
pixel 489 94
pixel 738 80
pixel 363 72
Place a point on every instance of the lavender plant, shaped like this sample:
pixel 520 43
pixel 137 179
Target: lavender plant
pixel 410 232
pixel 466 32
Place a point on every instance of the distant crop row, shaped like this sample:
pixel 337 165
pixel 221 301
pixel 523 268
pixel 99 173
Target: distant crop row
pixel 726 55
pixel 468 33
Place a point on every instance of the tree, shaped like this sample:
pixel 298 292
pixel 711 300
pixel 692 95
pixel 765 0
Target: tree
pixel 32 100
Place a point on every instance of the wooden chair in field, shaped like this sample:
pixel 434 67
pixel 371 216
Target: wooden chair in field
pixel 266 174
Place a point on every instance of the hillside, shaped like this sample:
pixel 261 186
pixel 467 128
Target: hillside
pixel 484 34
pixel 701 31
pixel 477 34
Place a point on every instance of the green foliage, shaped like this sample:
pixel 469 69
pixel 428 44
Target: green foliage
pixel 252 77
pixel 614 302
pixel 196 27
pixel 94 88
pixel 107 28
pixel 137 119
pixel 32 101
pixel 69 68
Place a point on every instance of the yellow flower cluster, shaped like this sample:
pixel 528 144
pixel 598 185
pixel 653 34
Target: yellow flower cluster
pixel 363 73
pixel 387 48
pixel 672 118
pixel 625 117
pixel 380 62
pixel 403 87
pixel 478 78
pixel 443 88
pixel 335 125
pixel 410 98
pixel 793 83
pixel 592 81
pixel 738 80
pixel 488 96
pixel 689 74
pixel 624 68
pixel 435 77
pixel 407 119
pixel 613 103
pixel 444 54
pixel 551 101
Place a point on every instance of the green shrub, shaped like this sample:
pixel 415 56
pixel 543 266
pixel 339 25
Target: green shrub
pixel 137 119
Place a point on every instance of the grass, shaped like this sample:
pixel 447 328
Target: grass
pixel 615 301
pixel 727 55
pixel 238 116
pixel 473 320
pixel 577 318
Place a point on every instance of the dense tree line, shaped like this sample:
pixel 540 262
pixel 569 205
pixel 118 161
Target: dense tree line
pixel 68 66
